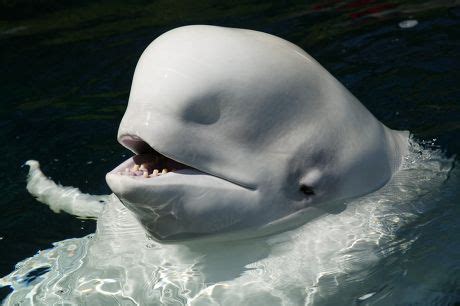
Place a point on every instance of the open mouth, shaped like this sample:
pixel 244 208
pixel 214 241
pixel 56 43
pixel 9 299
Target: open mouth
pixel 147 163
pixel 150 165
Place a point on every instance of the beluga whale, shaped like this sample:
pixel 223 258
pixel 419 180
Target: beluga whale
pixel 256 178
pixel 239 131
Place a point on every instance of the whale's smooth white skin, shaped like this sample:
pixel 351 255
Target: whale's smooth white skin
pixel 267 131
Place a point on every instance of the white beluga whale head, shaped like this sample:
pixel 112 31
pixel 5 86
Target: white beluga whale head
pixel 251 131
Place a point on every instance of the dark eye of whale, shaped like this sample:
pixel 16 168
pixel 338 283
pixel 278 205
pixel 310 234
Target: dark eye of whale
pixel 307 190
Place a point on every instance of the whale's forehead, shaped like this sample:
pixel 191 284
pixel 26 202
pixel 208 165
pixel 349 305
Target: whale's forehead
pixel 231 99
pixel 201 76
pixel 189 51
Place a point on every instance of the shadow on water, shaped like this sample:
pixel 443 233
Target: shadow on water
pixel 67 68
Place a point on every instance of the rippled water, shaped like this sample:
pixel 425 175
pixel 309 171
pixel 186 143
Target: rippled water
pixel 66 72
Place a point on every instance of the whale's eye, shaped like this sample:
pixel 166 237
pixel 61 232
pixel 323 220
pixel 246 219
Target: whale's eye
pixel 307 190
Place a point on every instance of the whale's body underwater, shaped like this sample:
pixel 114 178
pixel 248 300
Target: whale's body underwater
pixel 257 138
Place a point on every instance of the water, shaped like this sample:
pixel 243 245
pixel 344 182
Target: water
pixel 66 73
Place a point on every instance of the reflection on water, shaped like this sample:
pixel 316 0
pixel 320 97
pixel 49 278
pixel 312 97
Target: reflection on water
pixel 357 256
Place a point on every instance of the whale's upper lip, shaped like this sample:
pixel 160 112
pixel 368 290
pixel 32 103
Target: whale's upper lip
pixel 144 150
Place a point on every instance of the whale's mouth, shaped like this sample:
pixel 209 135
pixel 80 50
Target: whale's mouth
pixel 150 165
pixel 147 163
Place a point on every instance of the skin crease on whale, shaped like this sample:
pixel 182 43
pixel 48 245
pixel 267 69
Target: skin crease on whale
pixel 253 132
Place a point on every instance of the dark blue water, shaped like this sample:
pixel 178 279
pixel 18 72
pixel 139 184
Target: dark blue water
pixel 66 71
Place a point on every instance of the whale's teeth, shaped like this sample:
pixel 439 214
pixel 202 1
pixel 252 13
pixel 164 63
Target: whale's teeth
pixel 146 174
pixel 127 170
pixel 154 173
pixel 135 168
pixel 143 167
pixel 164 171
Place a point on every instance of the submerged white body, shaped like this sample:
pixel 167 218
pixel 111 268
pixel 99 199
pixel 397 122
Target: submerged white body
pixel 259 119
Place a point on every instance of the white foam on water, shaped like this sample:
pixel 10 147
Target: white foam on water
pixel 61 198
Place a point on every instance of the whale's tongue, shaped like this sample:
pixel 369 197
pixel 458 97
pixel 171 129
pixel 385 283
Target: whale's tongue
pixel 151 165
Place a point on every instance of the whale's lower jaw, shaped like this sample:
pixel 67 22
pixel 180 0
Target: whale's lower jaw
pixel 184 204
